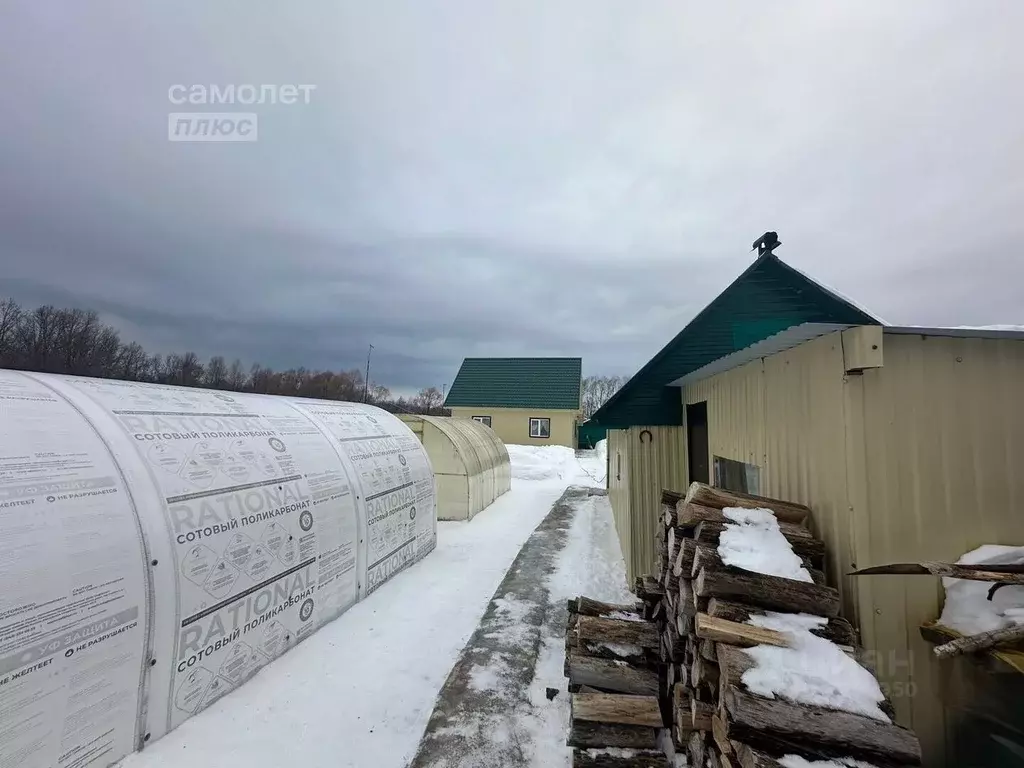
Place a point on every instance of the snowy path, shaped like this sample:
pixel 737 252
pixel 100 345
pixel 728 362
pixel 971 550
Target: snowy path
pixel 359 692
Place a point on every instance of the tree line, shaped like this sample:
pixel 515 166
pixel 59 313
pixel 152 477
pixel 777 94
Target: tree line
pixel 597 390
pixel 75 341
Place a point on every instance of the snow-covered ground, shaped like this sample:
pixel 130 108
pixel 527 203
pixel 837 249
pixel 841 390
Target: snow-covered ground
pixel 360 691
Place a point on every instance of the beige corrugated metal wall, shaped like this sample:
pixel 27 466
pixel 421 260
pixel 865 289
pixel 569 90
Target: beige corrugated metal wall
pixel 642 462
pixel 918 459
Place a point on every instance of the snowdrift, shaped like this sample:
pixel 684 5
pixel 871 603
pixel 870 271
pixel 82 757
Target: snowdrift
pixel 158 545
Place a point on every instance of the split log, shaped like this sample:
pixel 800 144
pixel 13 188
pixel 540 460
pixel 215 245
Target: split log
pixel 727 761
pixel 634 655
pixel 772 592
pixel 587 735
pixel 740 635
pixel 684 621
pixel 733 662
pixel 768 722
pixel 981 641
pixel 720 733
pixel 812 550
pixel 697 748
pixel 612 676
pixel 838 630
pixel 617 709
pixel 708 557
pixel 684 559
pixel 588 607
pixel 711 757
pixel 790 512
pixel 649 588
pixel 581 759
pixel 707 649
pixel 748 757
pixel 703 672
pixel 594 629
pixel 669 501
pixel 700 715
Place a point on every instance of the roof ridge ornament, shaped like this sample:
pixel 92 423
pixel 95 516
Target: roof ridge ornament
pixel 766 243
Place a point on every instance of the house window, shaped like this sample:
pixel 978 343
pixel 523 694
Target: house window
pixel 483 420
pixel 540 428
pixel 737 476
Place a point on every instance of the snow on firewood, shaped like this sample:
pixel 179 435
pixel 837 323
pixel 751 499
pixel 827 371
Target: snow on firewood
pixel 752 541
pixel 795 761
pixel 968 609
pixel 813 671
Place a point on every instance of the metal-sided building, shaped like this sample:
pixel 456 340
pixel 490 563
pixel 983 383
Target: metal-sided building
pixel 905 442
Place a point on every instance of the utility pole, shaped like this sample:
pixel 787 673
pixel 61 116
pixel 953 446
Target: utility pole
pixel 366 382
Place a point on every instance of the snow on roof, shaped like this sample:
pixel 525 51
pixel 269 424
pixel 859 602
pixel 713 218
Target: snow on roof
pixel 968 609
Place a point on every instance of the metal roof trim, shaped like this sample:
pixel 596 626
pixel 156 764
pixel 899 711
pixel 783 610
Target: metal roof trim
pixel 781 341
pixel 960 331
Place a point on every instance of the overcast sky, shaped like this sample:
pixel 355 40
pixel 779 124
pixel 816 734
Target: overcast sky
pixel 474 177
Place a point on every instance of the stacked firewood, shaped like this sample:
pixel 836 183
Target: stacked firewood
pixel 701 614
pixel 612 663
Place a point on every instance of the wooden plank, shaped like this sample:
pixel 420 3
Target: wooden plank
pixel 587 735
pixel 612 676
pixel 772 592
pixel 741 635
pixel 617 708
pixel 841 734
pixel 720 498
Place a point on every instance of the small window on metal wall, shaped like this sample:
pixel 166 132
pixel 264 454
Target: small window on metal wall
pixel 483 420
pixel 540 428
pixel 737 476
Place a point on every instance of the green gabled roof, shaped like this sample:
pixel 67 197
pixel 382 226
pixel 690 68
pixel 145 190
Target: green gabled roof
pixel 517 382
pixel 767 298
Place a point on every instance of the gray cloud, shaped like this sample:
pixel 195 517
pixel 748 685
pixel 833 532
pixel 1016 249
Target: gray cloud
pixel 506 177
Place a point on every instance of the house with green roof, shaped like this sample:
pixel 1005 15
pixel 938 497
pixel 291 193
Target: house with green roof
pixel 525 400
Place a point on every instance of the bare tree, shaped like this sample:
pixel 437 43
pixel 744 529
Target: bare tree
pixel 428 400
pixel 216 374
pixel 236 377
pixel 597 390
pixel 10 321
pixel 132 363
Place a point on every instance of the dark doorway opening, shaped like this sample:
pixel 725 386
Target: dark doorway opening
pixel 697 442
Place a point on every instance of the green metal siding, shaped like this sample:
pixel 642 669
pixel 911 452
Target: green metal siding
pixel 517 382
pixel 767 298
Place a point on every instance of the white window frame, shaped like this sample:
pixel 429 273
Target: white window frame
pixel 535 434
pixel 485 420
